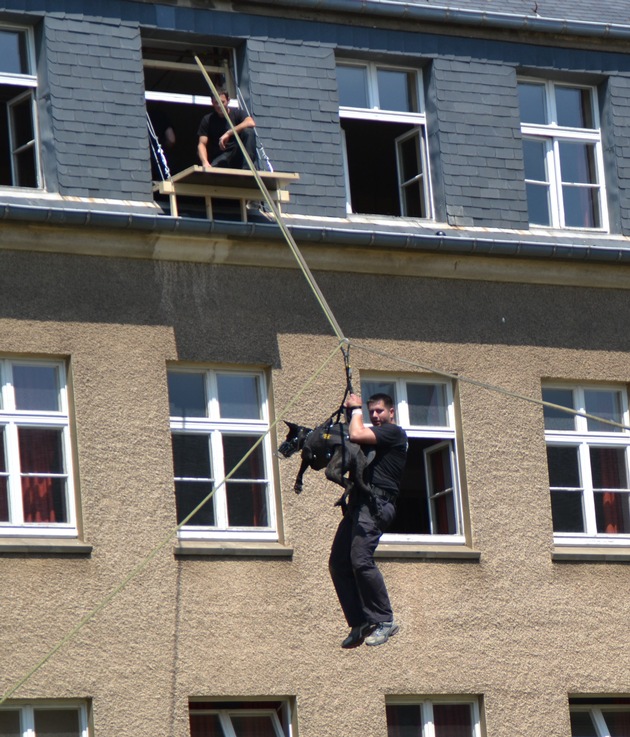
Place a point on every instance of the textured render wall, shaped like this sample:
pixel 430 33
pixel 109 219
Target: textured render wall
pixel 294 93
pixel 515 627
pixel 94 87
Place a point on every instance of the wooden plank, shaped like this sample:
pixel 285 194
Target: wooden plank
pixel 220 177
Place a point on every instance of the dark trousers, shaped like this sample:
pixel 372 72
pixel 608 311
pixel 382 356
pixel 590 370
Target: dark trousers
pixel 359 583
pixel 232 157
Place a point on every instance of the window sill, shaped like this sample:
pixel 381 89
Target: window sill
pixel 239 549
pixel 43 546
pixel 599 554
pixel 426 552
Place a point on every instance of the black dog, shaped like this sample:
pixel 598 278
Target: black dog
pixel 328 446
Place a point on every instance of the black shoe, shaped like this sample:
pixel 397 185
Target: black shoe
pixel 382 633
pixel 357 635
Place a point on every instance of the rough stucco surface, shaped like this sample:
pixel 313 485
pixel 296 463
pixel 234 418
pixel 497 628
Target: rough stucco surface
pixel 516 628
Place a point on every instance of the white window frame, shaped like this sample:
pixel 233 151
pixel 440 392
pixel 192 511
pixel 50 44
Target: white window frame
pixel 582 439
pixel 29 83
pixel 441 435
pixel 551 135
pixel 374 112
pixel 426 710
pixel 213 426
pixel 11 419
pixel 598 718
pixel 27 714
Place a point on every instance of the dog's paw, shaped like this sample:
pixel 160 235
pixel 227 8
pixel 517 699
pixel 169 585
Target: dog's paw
pixel 298 489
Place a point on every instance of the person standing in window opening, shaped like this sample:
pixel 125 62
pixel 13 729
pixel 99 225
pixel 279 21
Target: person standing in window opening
pixel 217 145
pixel 358 582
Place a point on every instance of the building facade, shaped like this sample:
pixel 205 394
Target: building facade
pixel 463 202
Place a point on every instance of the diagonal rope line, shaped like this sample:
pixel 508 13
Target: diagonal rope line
pixel 487 386
pixel 140 567
pixel 276 213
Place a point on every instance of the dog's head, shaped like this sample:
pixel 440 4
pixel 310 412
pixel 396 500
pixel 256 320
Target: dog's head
pixel 294 440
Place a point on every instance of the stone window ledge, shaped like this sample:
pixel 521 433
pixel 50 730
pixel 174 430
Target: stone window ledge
pixel 237 549
pixel 428 552
pixel 43 546
pixel 585 553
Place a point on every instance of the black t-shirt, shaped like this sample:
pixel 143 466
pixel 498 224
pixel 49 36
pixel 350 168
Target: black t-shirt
pixel 215 125
pixel 387 468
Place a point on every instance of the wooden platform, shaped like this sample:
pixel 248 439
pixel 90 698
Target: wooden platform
pixel 228 184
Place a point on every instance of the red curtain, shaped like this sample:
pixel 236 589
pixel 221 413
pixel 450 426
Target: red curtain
pixel 610 478
pixel 40 452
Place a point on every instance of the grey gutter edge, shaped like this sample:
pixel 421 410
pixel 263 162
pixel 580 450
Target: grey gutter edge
pixel 321 235
pixel 447 14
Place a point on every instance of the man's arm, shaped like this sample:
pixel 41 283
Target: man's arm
pixel 357 431
pixel 247 122
pixel 202 151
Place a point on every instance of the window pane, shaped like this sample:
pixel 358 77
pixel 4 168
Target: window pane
pixel 239 396
pixel 247 504
pixel 452 720
pixel 577 162
pixel 9 718
pixel 396 90
pixel 618 722
pixel 352 82
pixel 36 387
pixel 611 512
pixel 581 207
pixel 604 404
pixel 57 722
pixel 189 494
pixel 187 394
pixel 205 725
pixel 532 103
pixel 582 725
pixel 369 388
pixel 574 107
pixel 22 119
pixel 566 511
pixel 191 456
pixel 534 157
pixel 563 466
pixel 608 468
pixel 538 204
pixel 427 404
pixel 253 726
pixel 556 419
pixel 413 201
pixel 13 56
pixel 4 498
pixel 234 449
pixel 26 168
pixel 409 157
pixel 403 720
pixel 40 450
pixel 414 509
pixel 442 492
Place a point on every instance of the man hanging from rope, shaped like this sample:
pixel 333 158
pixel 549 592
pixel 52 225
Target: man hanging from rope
pixel 217 145
pixel 358 582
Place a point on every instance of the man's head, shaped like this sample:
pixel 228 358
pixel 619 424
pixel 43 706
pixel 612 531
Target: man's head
pixel 381 409
pixel 225 99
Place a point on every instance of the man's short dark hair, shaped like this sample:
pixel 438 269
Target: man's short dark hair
pixel 223 91
pixel 381 397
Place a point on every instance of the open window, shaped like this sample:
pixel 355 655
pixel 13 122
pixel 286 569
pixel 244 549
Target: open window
pixel 240 719
pixel 19 150
pixel 429 505
pixel 177 97
pixel 384 137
